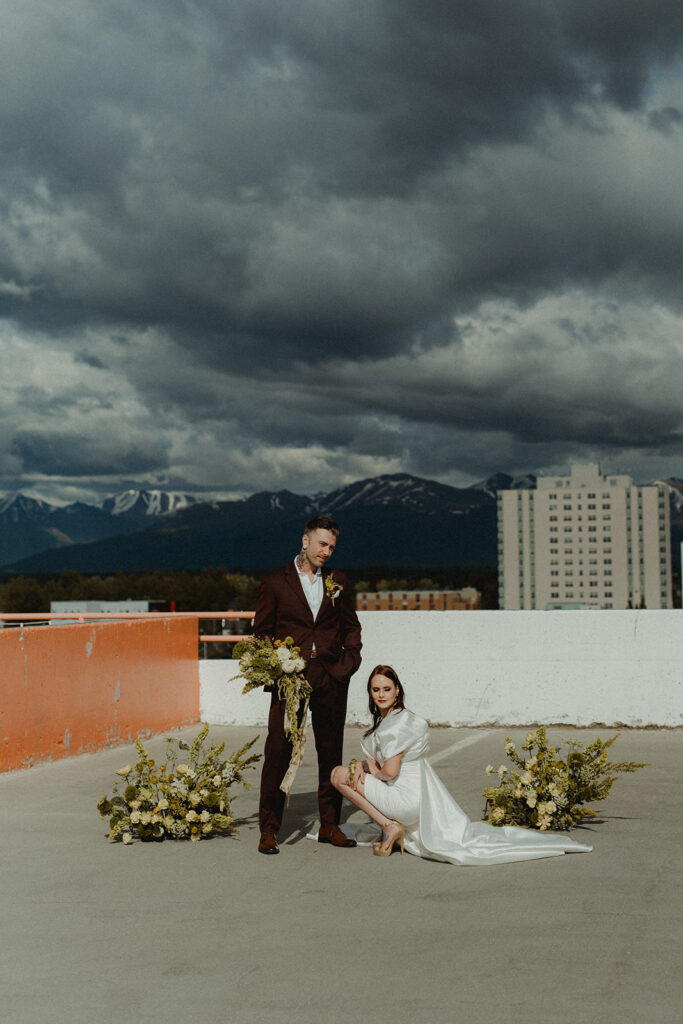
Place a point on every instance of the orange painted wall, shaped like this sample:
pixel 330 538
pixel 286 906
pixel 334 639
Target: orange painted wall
pixel 68 690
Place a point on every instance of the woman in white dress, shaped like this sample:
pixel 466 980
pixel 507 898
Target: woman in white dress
pixel 400 791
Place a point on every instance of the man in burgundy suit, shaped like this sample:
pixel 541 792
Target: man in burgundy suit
pixel 315 607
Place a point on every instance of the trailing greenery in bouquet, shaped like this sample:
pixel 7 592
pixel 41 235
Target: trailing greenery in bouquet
pixel 545 792
pixel 186 800
pixel 277 664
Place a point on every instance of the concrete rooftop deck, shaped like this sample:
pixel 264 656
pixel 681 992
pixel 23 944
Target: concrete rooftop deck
pixel 99 932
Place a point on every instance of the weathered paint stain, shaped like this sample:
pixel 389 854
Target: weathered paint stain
pixel 117 692
pixel 88 648
pixel 67 739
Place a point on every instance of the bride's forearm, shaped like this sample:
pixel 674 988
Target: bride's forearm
pixel 372 767
pixel 390 769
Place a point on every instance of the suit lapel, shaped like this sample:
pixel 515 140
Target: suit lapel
pixel 326 597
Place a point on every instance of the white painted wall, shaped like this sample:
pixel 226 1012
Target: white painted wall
pixel 503 668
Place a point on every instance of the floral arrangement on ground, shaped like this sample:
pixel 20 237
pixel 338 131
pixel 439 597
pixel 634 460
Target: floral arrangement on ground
pixel 277 664
pixel 186 800
pixel 543 791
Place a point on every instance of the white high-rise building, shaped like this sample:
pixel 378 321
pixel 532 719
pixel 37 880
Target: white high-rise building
pixel 584 541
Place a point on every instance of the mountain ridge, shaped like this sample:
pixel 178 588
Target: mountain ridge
pixel 258 530
pixel 397 520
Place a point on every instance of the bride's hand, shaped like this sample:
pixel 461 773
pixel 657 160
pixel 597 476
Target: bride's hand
pixel 373 767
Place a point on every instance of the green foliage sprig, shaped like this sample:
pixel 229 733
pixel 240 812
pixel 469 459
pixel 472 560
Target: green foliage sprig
pixel 277 664
pixel 545 792
pixel 187 800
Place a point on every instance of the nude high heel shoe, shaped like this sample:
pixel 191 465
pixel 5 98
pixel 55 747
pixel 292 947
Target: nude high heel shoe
pixel 380 850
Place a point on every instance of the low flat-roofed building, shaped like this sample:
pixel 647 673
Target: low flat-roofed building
pixel 466 599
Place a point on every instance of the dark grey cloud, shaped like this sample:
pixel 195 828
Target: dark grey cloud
pixel 336 239
pixel 665 119
pixel 59 454
pixel 89 360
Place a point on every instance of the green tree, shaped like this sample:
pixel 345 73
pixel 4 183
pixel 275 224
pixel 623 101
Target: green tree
pixel 24 594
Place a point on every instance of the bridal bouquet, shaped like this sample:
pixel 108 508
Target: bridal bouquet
pixel 190 800
pixel 545 792
pixel 277 663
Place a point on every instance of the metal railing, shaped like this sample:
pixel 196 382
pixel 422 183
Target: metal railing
pixel 45 618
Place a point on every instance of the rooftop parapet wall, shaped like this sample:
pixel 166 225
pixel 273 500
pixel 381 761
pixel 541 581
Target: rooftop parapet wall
pixel 504 668
pixel 75 689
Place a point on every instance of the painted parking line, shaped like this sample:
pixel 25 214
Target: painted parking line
pixel 460 745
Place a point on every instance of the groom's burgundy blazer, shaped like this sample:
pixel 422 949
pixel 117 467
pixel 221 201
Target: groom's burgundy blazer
pixel 282 610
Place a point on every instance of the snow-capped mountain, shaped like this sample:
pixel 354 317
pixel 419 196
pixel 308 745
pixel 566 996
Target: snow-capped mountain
pixel 18 508
pixel 503 482
pixel 392 520
pixel 147 503
pixel 675 488
pixel 398 490
pixel 29 525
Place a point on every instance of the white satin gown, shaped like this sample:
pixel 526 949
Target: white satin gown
pixel 436 827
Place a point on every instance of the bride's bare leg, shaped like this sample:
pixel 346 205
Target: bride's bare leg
pixel 339 780
pixel 391 829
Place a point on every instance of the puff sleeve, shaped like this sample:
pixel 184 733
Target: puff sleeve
pixel 400 732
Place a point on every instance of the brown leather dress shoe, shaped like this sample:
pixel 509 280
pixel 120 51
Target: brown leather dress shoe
pixel 333 834
pixel 268 843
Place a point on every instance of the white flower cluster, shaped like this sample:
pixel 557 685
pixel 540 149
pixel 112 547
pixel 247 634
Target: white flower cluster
pixel 290 663
pixel 545 813
pixel 547 791
pixel 186 800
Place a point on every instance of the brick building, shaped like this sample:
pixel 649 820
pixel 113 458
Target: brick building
pixel 467 599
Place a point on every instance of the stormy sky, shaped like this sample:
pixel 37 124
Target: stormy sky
pixel 254 245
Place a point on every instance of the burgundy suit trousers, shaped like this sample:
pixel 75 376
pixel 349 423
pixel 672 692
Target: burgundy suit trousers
pixel 328 714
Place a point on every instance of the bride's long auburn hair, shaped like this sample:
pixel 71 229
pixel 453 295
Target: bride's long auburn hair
pixel 399 703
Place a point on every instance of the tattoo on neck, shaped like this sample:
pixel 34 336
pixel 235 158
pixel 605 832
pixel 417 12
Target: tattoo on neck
pixel 302 561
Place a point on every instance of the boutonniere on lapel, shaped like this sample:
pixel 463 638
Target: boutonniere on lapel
pixel 332 588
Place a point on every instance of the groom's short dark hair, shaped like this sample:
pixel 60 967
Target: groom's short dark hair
pixel 322 523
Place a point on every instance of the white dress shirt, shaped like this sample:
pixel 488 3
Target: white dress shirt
pixel 312 588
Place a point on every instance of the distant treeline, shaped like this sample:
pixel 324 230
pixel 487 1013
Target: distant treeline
pixel 210 590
